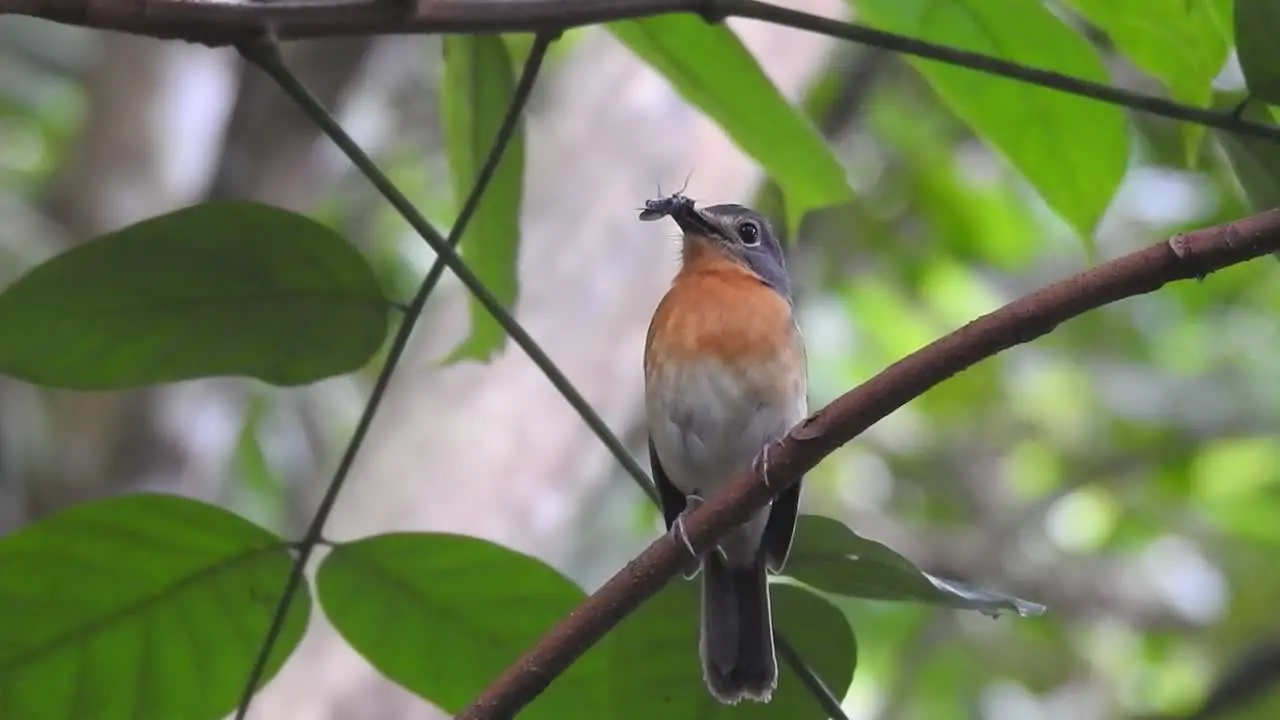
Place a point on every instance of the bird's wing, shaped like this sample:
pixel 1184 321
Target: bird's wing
pixel 781 528
pixel 673 501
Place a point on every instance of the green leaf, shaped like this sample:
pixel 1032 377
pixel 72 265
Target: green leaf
pixel 1073 150
pixel 139 607
pixel 1182 43
pixel 1256 162
pixel 709 66
pixel 1257 24
pixel 478 85
pixel 1233 481
pixel 832 558
pixel 657 673
pixel 464 610
pixel 222 288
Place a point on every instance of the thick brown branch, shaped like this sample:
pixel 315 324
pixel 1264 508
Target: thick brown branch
pixel 1191 255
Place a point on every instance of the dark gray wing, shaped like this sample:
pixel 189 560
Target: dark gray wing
pixel 781 528
pixel 672 499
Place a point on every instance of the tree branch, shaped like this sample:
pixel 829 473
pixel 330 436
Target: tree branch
pixel 1190 255
pixel 1246 680
pixel 230 23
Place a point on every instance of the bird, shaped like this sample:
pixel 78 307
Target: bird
pixel 725 377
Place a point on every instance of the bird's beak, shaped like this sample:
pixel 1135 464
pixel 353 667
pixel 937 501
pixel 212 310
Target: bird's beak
pixel 694 222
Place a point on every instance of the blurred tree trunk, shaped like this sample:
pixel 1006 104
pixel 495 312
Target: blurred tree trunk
pixel 123 168
pixel 492 450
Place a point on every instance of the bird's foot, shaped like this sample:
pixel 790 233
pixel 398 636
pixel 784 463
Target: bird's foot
pixel 693 562
pixel 761 465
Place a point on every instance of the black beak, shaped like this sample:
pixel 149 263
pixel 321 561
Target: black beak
pixel 693 222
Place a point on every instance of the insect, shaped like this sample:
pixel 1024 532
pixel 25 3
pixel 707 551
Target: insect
pixel 672 204
pixel 680 208
pixel 664 206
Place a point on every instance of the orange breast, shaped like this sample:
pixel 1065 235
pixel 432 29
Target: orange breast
pixel 719 310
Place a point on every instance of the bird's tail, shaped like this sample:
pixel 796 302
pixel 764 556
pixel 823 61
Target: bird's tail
pixel 737 631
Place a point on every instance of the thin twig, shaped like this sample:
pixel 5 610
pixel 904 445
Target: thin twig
pixel 1246 679
pixel 234 23
pixel 1192 255
pixel 265 54
pixel 811 680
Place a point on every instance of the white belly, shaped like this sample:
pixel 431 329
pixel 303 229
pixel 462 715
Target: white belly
pixel 706 428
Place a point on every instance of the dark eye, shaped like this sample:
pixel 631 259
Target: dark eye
pixel 749 233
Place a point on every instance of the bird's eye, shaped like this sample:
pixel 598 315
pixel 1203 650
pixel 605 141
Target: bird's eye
pixel 749 234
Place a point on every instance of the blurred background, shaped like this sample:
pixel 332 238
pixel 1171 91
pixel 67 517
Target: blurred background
pixel 1123 470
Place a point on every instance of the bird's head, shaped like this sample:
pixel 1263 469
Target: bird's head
pixel 733 231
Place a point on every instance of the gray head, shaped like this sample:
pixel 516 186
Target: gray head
pixel 741 234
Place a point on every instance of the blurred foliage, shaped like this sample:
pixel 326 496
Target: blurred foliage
pixel 1181 44
pixel 1029 125
pixel 1122 470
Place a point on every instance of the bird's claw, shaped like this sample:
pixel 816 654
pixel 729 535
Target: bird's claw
pixel 761 465
pixel 693 563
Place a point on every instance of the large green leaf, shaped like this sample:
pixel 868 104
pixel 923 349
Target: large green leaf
pixel 1073 150
pixel 141 607
pixel 222 288
pixel 1257 24
pixel 464 609
pixel 709 66
pixel 657 673
pixel 831 557
pixel 478 85
pixel 1183 43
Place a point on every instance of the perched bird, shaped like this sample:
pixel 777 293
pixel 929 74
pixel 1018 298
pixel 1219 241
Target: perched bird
pixel 725 376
